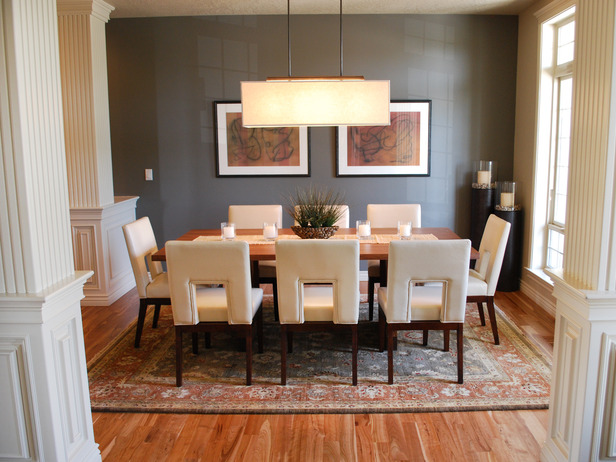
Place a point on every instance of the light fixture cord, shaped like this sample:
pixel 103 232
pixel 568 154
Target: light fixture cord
pixel 341 68
pixel 289 33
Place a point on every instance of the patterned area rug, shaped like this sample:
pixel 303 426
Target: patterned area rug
pixel 513 375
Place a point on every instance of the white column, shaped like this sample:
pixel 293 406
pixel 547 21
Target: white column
pixel 582 407
pixel 97 216
pixel 44 400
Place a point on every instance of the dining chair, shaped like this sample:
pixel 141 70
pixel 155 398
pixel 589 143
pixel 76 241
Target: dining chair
pixel 253 216
pixel 343 221
pixel 318 290
pixel 426 290
pixel 483 279
pixel 196 270
pixel 387 216
pixel 151 280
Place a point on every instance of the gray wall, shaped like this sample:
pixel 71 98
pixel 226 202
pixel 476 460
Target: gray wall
pixel 165 73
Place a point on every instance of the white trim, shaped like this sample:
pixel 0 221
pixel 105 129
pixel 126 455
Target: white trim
pixel 538 287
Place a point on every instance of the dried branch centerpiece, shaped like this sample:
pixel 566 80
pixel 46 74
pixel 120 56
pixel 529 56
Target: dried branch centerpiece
pixel 315 212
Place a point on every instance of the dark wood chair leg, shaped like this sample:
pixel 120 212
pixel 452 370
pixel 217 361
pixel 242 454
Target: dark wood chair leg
pixel 390 355
pixel 283 354
pixel 354 347
pixel 446 340
pixel 275 290
pixel 289 342
pixel 260 330
pixel 156 316
pixel 178 357
pixel 195 343
pixel 249 356
pixel 208 340
pixel 492 313
pixel 425 337
pixel 460 339
pixel 371 283
pixel 143 306
pixel 382 330
pixel 482 316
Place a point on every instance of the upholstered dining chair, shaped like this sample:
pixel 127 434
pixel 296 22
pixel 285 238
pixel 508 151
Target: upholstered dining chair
pixel 253 216
pixel 331 304
pixel 343 221
pixel 387 216
pixel 483 279
pixel 438 303
pixel 196 269
pixel 152 284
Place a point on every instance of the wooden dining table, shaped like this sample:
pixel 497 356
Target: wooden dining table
pixel 368 249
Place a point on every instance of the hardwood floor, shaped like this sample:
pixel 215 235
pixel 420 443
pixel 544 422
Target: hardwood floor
pixel 486 435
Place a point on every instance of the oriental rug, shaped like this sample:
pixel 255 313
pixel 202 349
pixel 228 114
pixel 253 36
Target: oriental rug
pixel 512 375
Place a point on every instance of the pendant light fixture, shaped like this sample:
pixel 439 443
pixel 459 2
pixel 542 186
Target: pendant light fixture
pixel 315 101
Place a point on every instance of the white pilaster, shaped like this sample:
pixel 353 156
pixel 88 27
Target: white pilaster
pixel 45 400
pixel 582 409
pixel 96 216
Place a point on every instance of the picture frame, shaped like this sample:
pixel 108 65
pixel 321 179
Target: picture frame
pixel 399 149
pixel 254 152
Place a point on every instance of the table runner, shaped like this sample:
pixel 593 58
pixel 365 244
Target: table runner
pixel 374 239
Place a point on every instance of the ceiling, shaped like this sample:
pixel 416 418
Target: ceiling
pixel 151 8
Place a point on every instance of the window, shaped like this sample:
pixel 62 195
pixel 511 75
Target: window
pixel 553 140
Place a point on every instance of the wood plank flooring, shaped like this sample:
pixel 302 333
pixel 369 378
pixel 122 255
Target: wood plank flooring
pixel 485 435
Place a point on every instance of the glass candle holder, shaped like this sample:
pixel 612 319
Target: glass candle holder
pixel 405 230
pixel 484 174
pixel 270 231
pixel 363 229
pixel 227 231
pixel 505 196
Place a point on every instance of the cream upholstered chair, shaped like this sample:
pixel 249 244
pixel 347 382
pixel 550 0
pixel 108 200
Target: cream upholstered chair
pixel 343 221
pixel 438 305
pixel 152 285
pixel 387 216
pixel 253 216
pixel 194 265
pixel 483 279
pixel 331 304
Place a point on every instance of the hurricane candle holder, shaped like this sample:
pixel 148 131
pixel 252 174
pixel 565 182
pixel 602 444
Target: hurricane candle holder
pixel 484 174
pixel 505 196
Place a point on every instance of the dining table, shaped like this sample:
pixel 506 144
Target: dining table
pixel 373 247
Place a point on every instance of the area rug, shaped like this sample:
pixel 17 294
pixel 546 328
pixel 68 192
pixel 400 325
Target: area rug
pixel 512 375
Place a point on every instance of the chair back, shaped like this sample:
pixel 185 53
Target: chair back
pixel 492 251
pixel 308 261
pixel 253 216
pixel 412 262
pixel 343 221
pixel 141 244
pixel 388 215
pixel 191 264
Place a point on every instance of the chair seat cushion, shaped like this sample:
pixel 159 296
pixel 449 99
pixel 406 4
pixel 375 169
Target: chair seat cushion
pixel 319 303
pixel 267 269
pixel 476 285
pixel 212 304
pixel 425 305
pixel 374 268
pixel 159 287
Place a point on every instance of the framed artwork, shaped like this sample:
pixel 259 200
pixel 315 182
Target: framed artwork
pixel 249 152
pixel 399 149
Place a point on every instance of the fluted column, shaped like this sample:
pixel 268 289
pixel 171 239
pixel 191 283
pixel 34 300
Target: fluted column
pixel 97 216
pixel 582 407
pixel 83 60
pixel 44 394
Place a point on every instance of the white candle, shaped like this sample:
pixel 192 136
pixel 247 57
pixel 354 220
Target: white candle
pixel 483 177
pixel 228 232
pixel 404 230
pixel 269 232
pixel 363 230
pixel 506 199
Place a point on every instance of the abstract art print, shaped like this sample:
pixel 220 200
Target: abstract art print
pixel 271 151
pixel 399 149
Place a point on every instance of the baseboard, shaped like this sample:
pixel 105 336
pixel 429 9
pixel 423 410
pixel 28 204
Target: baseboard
pixel 363 276
pixel 538 290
